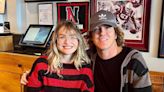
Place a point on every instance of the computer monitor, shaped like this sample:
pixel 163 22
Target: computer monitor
pixel 36 35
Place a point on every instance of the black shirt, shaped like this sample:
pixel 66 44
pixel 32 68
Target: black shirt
pixel 107 75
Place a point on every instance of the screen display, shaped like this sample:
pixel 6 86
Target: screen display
pixel 37 35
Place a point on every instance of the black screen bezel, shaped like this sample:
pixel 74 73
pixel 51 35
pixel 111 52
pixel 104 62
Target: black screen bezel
pixel 35 44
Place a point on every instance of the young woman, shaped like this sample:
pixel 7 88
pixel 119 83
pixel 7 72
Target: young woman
pixel 66 67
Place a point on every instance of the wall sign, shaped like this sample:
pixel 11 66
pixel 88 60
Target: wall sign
pixel 2 6
pixel 78 12
pixel 45 13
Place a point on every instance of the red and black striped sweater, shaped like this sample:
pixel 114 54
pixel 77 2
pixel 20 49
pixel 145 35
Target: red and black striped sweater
pixel 73 80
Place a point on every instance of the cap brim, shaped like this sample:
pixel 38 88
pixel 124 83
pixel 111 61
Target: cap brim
pixel 93 26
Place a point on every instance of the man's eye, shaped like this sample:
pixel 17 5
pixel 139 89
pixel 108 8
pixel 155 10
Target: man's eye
pixel 107 27
pixel 96 30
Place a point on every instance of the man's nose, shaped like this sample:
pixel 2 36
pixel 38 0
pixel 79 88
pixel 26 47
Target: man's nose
pixel 102 30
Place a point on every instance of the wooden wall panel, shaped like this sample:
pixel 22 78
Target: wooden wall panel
pixel 157 79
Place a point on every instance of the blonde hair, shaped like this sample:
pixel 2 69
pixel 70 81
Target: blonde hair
pixel 79 56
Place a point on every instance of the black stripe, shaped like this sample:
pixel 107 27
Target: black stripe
pixel 71 66
pixel 145 89
pixel 65 66
pixel 86 66
pixel 129 88
pixel 137 67
pixel 60 89
pixel 41 73
pixel 51 89
pixel 125 70
pixel 82 77
pixel 32 89
pixel 86 91
pixel 39 60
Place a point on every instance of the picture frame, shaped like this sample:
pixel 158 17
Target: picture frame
pixel 161 37
pixel 2 6
pixel 45 13
pixel 133 16
pixel 78 12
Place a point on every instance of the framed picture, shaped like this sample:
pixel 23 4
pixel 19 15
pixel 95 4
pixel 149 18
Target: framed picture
pixel 2 6
pixel 133 16
pixel 78 12
pixel 161 39
pixel 45 13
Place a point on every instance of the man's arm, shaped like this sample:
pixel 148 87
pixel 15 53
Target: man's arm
pixel 23 79
pixel 141 77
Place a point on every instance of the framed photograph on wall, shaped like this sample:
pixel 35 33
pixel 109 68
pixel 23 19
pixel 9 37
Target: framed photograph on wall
pixel 45 13
pixel 161 39
pixel 2 6
pixel 78 12
pixel 133 16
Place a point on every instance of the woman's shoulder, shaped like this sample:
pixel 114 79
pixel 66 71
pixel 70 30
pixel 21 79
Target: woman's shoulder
pixel 40 63
pixel 41 59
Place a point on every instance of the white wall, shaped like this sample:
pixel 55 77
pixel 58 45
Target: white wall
pixel 11 15
pixel 154 63
pixel 30 16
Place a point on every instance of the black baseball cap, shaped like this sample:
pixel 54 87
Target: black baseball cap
pixel 102 17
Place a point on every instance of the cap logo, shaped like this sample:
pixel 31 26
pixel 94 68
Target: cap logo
pixel 102 16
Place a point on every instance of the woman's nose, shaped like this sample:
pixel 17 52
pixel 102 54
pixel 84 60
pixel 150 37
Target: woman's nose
pixel 67 40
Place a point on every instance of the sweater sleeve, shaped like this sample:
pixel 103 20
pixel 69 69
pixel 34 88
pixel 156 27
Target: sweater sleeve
pixel 141 79
pixel 88 84
pixel 35 77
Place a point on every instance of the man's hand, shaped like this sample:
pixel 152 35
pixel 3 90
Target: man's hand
pixel 24 78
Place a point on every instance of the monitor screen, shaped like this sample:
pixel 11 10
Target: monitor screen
pixel 36 35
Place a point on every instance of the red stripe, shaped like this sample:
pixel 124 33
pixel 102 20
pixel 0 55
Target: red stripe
pixel 43 56
pixel 85 71
pixel 62 83
pixel 84 87
pixel 33 79
pixel 41 66
pixel 34 82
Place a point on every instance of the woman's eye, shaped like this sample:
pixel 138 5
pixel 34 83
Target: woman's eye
pixel 61 37
pixel 73 37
